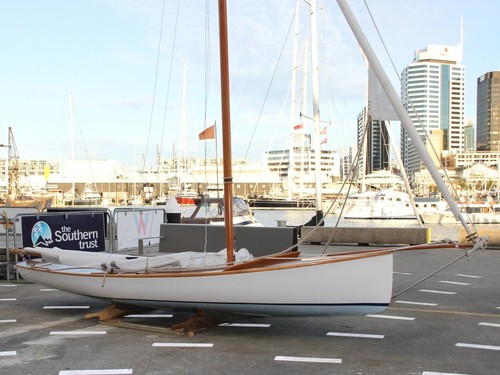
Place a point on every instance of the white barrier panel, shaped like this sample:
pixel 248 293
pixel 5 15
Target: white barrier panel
pixel 135 224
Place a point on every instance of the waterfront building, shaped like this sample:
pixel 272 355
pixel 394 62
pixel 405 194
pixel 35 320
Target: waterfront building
pixel 488 112
pixel 296 166
pixel 117 184
pixel 467 159
pixel 433 91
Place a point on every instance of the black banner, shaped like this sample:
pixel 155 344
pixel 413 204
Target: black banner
pixel 82 231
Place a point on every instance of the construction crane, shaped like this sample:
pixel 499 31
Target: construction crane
pixel 13 166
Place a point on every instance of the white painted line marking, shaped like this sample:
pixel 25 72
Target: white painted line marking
pixel 417 303
pixel 489 324
pixel 390 317
pixel 182 345
pixel 403 273
pixel 8 321
pixel 4 354
pixel 122 371
pixel 477 346
pixel 7 285
pixel 149 316
pixel 48 290
pixel 7 299
pixel 360 335
pixel 78 332
pixel 453 282
pixel 307 359
pixel 470 276
pixel 65 307
pixel 440 373
pixel 436 291
pixel 252 325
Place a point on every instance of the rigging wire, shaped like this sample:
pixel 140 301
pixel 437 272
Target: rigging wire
pixel 169 74
pixel 154 89
pixel 94 184
pixel 269 88
pixel 429 276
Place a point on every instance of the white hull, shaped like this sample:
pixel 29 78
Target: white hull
pixel 342 285
pixel 373 205
pixel 448 218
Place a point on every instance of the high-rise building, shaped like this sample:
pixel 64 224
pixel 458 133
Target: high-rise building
pixel 488 112
pixel 470 137
pixel 375 142
pixel 433 91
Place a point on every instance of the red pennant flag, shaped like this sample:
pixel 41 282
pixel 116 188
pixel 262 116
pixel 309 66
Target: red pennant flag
pixel 208 133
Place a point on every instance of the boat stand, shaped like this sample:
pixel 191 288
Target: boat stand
pixel 113 316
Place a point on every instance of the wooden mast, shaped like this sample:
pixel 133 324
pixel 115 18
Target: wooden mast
pixel 226 130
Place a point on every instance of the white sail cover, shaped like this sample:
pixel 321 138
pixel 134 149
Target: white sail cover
pixel 379 106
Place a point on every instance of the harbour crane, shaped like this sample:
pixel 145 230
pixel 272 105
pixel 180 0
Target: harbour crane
pixel 13 166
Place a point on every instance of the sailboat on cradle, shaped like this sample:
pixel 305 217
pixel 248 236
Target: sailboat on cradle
pixel 284 284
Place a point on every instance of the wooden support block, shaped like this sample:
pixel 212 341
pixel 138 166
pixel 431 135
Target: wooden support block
pixel 113 316
pixel 196 322
pixel 143 327
pixel 109 312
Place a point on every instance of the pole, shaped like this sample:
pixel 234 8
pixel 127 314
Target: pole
pixel 226 130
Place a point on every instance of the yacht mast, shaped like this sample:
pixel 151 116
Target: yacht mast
pixel 291 154
pixel 72 142
pixel 315 89
pixel 226 130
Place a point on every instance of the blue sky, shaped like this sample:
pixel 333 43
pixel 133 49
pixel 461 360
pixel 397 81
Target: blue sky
pixel 124 95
